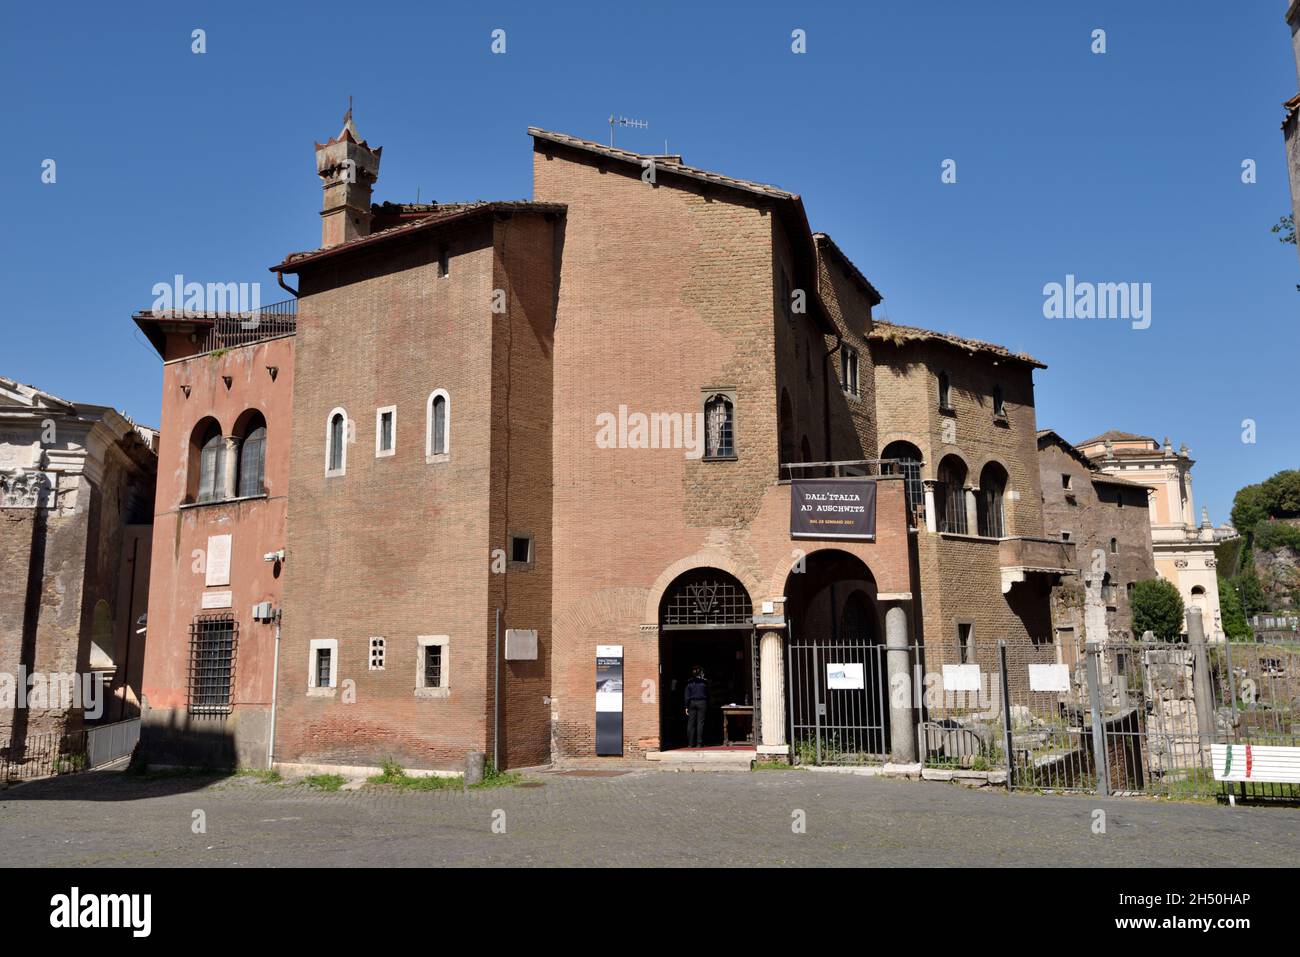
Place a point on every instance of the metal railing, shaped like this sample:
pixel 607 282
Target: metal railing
pixel 67 752
pixel 268 322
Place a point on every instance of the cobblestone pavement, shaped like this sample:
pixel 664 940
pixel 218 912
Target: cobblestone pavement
pixel 639 819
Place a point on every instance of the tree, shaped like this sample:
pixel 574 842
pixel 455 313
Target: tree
pixel 1284 229
pixel 1234 619
pixel 1283 493
pixel 1249 507
pixel 1157 608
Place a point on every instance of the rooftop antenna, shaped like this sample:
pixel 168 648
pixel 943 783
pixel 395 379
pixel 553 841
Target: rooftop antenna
pixel 625 121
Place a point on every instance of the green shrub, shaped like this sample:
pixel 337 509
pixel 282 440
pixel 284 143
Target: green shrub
pixel 1158 608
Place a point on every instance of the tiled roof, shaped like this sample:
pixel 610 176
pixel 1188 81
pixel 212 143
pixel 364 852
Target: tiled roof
pixel 883 331
pixel 439 215
pixel 1115 435
pixel 662 163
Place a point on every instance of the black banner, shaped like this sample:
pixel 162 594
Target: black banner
pixel 833 508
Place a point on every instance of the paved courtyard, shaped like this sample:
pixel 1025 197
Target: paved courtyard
pixel 637 819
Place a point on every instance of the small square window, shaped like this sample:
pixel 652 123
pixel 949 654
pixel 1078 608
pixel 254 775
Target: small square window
pixel 1065 536
pixel 377 651
pixel 521 549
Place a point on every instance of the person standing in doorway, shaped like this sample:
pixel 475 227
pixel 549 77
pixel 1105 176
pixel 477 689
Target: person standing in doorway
pixel 697 706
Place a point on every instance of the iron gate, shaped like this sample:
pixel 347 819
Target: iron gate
pixel 838 700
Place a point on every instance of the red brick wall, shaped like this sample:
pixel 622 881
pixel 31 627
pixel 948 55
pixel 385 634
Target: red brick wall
pixel 179 554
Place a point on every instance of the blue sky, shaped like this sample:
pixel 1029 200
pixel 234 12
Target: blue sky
pixel 1119 167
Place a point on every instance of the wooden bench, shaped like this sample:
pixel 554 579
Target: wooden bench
pixel 1263 763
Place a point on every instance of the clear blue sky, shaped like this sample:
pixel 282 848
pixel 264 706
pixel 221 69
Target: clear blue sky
pixel 1117 167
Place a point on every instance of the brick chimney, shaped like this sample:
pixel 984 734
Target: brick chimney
pixel 349 168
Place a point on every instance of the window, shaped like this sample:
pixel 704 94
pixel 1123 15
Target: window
pixel 945 392
pixel 432 677
pixel 965 642
pixel 1114 547
pixel 1128 589
pixel 336 446
pixel 212 663
pixel 1108 590
pixel 1065 536
pixel 521 549
pixel 950 496
pixel 849 369
pixel 252 458
pixel 444 261
pixel 437 428
pixel 719 426
pixel 1065 480
pixel 385 431
pixel 784 291
pixel 999 402
pixel 377 651
pixel 323 666
pixel 212 466
pixel 991 515
pixel 907 461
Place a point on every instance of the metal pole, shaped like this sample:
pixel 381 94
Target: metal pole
pixel 275 682
pixel 1098 731
pixel 496 699
pixel 1006 711
pixel 789 687
pixel 817 699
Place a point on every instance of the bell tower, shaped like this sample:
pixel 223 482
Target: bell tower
pixel 349 168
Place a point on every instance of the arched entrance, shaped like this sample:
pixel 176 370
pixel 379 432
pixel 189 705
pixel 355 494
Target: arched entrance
pixel 838 677
pixel 706 619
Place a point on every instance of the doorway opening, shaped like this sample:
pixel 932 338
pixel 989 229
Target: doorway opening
pixel 706 620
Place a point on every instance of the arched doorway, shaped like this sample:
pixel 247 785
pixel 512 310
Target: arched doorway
pixel 706 619
pixel 838 681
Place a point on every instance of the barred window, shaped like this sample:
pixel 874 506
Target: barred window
pixel 377 654
pixel 212 663
pixel 433 666
pixel 323 656
pixel 719 426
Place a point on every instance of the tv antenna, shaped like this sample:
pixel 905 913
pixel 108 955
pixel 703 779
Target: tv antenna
pixel 625 121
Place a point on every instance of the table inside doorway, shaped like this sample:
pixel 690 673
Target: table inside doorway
pixel 736 711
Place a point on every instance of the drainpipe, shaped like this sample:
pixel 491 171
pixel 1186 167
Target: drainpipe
pixel 275 684
pixel 279 278
pixel 496 701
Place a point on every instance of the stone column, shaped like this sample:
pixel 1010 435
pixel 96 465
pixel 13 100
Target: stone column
pixel 902 727
pixel 972 511
pixel 771 688
pixel 931 520
pixel 228 483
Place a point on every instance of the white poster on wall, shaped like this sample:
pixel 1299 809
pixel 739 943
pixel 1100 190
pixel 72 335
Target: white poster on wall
pixel 1049 677
pixel 846 676
pixel 218 564
pixel 961 677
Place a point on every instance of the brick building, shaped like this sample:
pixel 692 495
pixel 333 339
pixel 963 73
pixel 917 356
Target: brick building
pixel 76 482
pixel 1107 518
pixel 547 455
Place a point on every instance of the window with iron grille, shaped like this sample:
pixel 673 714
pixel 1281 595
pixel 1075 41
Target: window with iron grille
pixel 433 666
pixel 706 598
pixel 213 640
pixel 323 656
pixel 719 426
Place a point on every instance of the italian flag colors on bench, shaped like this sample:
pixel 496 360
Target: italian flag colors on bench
pixel 1255 762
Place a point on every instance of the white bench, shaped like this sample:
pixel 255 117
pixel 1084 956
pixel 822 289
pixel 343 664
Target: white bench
pixel 1269 764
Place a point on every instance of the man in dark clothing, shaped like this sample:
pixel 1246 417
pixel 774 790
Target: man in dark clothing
pixel 697 704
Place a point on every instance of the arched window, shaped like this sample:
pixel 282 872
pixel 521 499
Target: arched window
pixel 212 465
pixel 252 456
pixel 908 464
pixel 336 444
pixel 1114 547
pixel 945 391
pixel 437 437
pixel 719 427
pixel 993 486
pixel 950 496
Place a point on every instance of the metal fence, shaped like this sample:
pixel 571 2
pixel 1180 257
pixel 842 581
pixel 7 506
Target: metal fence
pixel 55 753
pixel 838 700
